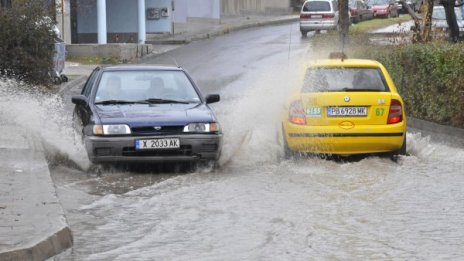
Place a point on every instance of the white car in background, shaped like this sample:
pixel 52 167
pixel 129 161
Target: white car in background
pixel 317 15
pixel 439 23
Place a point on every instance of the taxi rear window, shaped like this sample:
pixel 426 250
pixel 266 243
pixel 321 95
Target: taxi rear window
pixel 344 79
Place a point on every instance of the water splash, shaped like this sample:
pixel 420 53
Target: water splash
pixel 42 115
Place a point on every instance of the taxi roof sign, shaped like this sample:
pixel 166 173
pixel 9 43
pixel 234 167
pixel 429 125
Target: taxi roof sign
pixel 338 55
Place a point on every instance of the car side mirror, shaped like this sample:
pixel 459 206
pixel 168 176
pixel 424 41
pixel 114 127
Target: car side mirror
pixel 212 98
pixel 79 100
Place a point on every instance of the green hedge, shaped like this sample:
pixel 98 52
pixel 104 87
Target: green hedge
pixel 27 42
pixel 430 78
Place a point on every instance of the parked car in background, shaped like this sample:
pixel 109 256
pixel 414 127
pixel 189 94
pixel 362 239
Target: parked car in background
pixel 359 11
pixel 384 8
pixel 345 107
pixel 439 24
pixel 317 15
pixel 402 9
pixel 146 114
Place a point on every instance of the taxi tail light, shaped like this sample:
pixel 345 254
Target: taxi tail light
pixel 296 113
pixel 395 113
pixel 305 16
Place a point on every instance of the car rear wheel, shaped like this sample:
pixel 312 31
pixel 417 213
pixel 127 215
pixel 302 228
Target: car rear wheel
pixel 400 152
pixel 304 33
pixel 288 153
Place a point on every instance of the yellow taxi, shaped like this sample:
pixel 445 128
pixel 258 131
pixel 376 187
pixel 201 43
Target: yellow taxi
pixel 345 107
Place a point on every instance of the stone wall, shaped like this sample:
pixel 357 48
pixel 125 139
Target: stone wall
pixel 122 52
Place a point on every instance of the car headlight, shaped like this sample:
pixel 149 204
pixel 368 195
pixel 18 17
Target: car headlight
pixel 120 129
pixel 202 127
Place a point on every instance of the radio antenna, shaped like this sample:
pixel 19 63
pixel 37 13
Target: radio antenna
pixel 174 59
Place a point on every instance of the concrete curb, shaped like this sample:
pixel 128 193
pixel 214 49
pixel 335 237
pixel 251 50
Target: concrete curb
pixel 441 133
pixel 51 246
pixel 79 81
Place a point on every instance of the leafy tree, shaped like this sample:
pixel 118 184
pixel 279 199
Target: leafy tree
pixel 422 30
pixel 27 41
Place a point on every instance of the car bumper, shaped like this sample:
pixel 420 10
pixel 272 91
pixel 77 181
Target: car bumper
pixel 197 147
pixel 333 140
pixel 380 13
pixel 320 25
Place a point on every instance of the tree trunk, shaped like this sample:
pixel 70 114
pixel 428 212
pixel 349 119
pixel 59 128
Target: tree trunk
pixel 426 34
pixel 453 27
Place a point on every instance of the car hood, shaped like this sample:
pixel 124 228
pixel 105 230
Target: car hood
pixel 137 115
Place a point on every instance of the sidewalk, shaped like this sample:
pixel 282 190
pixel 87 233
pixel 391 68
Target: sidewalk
pixel 32 221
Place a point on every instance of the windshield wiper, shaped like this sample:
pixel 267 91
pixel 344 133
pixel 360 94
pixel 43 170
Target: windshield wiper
pixel 114 102
pixel 160 101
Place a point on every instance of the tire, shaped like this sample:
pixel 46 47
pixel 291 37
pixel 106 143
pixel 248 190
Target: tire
pixel 400 152
pixel 304 33
pixel 288 153
pixel 64 78
pixel 57 80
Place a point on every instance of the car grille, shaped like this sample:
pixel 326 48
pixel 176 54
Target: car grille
pixel 150 130
pixel 184 150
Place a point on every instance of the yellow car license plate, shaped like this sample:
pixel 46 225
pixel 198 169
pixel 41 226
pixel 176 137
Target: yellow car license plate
pixel 346 111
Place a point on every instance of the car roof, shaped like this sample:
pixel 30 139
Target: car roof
pixel 139 67
pixel 345 63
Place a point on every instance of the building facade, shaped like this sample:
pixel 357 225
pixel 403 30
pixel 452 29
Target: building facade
pixel 128 21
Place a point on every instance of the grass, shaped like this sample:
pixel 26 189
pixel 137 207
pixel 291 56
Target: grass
pixel 377 23
pixel 359 37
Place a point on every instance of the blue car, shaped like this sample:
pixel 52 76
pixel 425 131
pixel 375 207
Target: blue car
pixel 146 114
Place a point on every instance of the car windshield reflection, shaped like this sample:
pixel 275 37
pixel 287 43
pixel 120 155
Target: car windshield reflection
pixel 343 80
pixel 138 87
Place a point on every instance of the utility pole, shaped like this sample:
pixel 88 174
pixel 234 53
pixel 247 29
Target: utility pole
pixel 344 23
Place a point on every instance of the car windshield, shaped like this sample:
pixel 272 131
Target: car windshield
pixel 151 86
pixel 439 13
pixel 352 3
pixel 317 6
pixel 343 79
pixel 379 2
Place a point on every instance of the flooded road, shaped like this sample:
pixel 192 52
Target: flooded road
pixel 289 210
pixel 255 206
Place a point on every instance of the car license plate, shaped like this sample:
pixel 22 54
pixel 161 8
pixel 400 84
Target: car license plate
pixel 346 111
pixel 316 16
pixel 157 144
